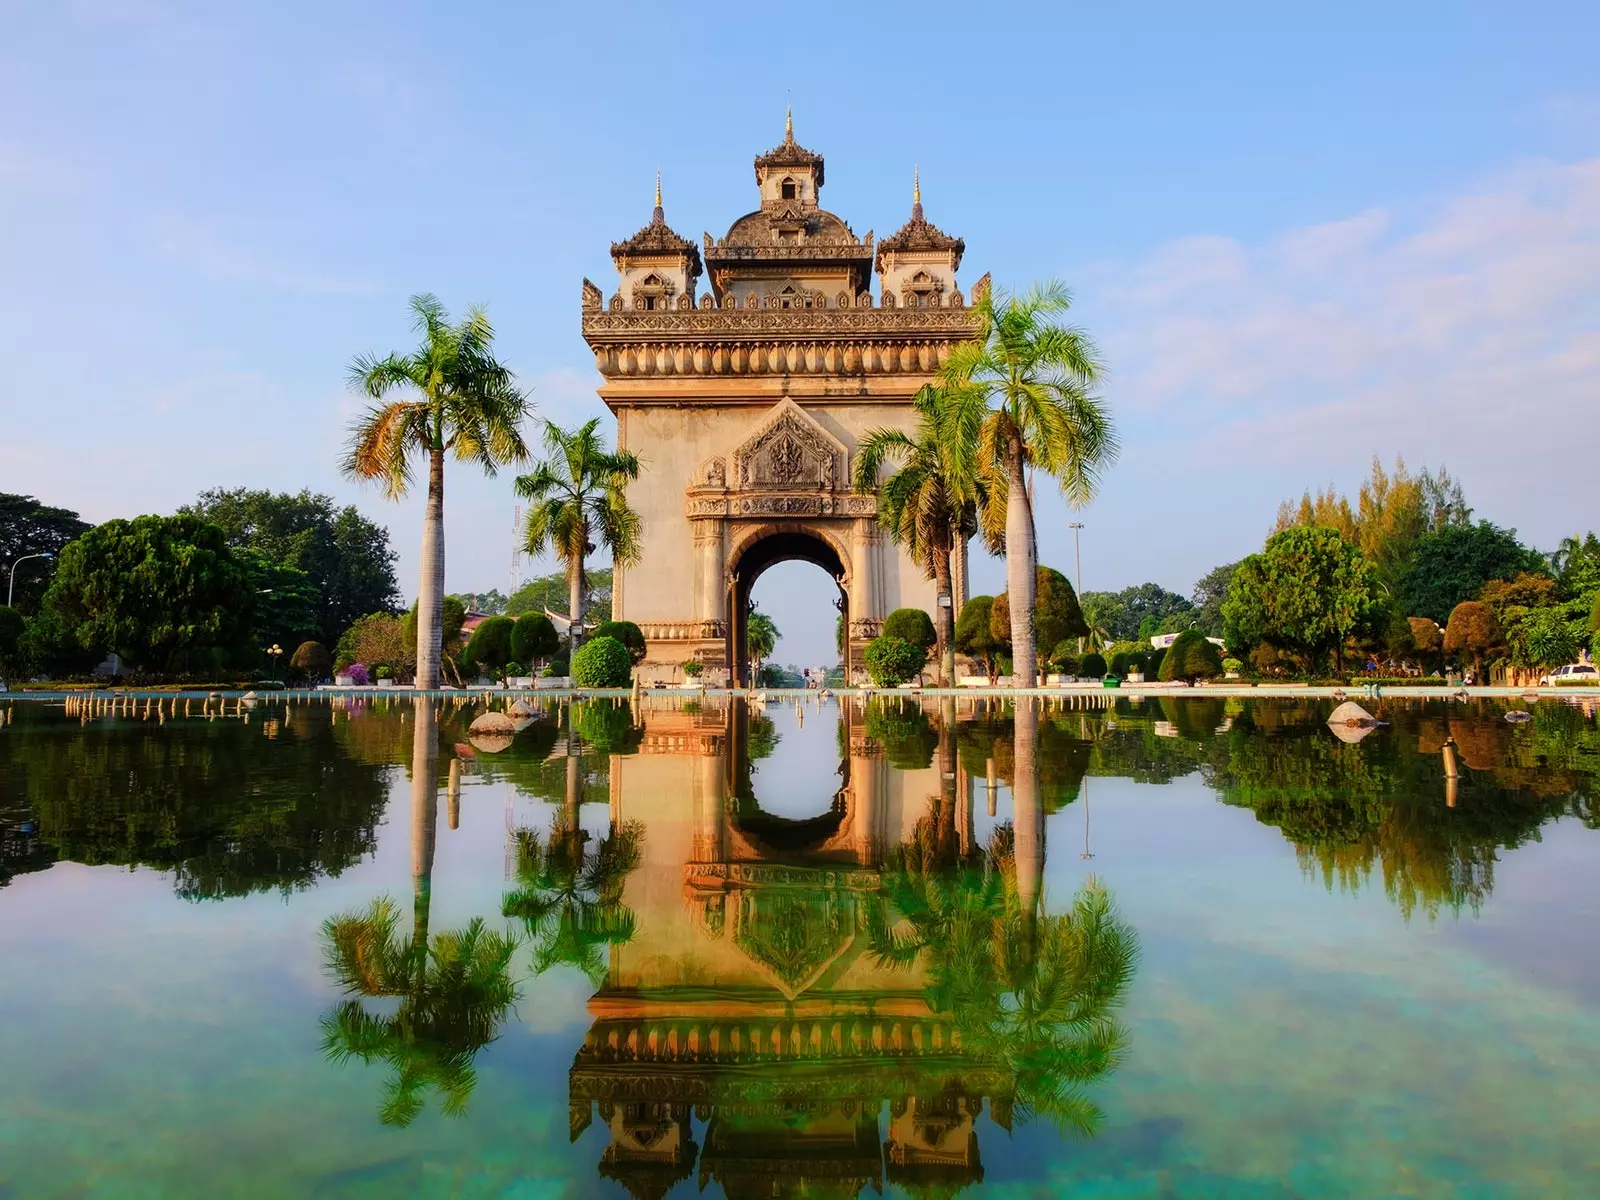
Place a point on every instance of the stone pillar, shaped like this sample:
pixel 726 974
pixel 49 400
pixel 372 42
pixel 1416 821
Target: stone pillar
pixel 866 800
pixel 710 594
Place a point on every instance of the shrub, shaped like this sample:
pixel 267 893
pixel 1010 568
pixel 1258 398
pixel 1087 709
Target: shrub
pixel 1233 665
pixel 602 662
pixel 891 660
pixel 1190 657
pixel 1122 662
pixel 1152 662
pixel 311 660
pixel 515 670
pixel 974 635
pixel 490 646
pixel 359 674
pixel 626 632
pixel 533 638
pixel 1065 657
pixel 910 625
pixel 384 671
pixel 1094 665
pixel 558 666
pixel 694 668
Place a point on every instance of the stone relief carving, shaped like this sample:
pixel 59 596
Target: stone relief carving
pixel 791 451
pixel 592 299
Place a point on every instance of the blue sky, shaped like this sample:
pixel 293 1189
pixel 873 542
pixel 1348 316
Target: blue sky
pixel 1302 234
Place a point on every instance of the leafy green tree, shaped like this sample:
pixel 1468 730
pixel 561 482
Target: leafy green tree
pixel 1473 630
pixel 490 603
pixel 1191 657
pixel 1399 638
pixel 1056 615
pixel 602 662
pixel 1452 563
pixel 928 502
pixel 580 494
pixel 1125 614
pixel 162 592
pixel 286 604
pixel 1308 591
pixel 975 636
pixel 1210 594
pixel 489 648
pixel 1028 384
pixel 534 638
pixel 626 632
pixel 911 625
pixel 1577 565
pixel 28 527
pixel 12 626
pixel 452 616
pixel 760 640
pixel 458 400
pixel 892 661
pixel 347 558
pixel 536 594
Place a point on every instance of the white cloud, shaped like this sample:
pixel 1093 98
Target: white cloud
pixel 1464 330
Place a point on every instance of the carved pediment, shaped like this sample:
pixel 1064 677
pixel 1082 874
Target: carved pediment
pixel 790 452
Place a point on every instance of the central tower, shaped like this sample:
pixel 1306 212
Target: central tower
pixel 745 404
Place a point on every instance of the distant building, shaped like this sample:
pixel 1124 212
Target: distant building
pixel 1163 641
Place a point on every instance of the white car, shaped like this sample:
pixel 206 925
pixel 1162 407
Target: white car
pixel 1575 673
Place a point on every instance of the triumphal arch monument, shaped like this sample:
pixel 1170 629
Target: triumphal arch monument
pixel 745 403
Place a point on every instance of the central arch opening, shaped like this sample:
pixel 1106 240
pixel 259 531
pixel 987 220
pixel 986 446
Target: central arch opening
pixel 780 545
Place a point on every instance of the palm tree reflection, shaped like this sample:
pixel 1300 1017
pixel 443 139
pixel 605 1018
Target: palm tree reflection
pixel 453 992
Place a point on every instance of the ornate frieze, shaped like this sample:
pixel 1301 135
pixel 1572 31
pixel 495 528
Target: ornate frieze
pixel 865 629
pixel 768 504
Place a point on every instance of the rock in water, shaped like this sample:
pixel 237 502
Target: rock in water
pixel 520 708
pixel 493 722
pixel 1351 713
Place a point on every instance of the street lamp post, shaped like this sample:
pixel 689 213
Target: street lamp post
pixel 12 586
pixel 273 652
pixel 1077 558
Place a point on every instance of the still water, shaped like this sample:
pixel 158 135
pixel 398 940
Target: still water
pixel 1191 947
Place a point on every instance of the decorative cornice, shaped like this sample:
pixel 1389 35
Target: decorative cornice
pixel 951 319
pixel 769 504
pixel 683 631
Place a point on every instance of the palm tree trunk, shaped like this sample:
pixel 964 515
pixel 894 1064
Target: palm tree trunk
pixel 944 622
pixel 948 836
pixel 424 826
pixel 1020 570
pixel 1027 816
pixel 430 588
pixel 576 602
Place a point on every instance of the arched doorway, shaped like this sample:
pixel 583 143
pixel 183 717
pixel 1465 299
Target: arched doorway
pixel 766 548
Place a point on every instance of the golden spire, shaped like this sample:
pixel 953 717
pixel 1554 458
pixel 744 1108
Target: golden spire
pixel 788 122
pixel 658 187
pixel 916 184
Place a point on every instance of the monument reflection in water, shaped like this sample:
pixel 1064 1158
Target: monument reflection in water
pixel 781 980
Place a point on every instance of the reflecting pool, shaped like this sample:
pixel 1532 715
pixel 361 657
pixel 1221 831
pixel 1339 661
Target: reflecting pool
pixel 1107 946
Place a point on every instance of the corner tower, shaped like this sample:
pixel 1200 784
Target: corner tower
pixel 746 403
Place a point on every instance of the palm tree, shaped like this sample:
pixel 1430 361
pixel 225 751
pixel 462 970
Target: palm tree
pixel 1030 382
pixel 1035 995
pixel 580 493
pixel 928 502
pixel 760 640
pixel 457 399
pixel 570 900
pixel 453 993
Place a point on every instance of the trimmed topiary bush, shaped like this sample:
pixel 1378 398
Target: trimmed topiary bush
pixel 311 660
pixel 626 632
pixel 534 638
pixel 1190 657
pixel 558 666
pixel 489 648
pixel 891 660
pixel 910 625
pixel 602 662
pixel 1093 665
